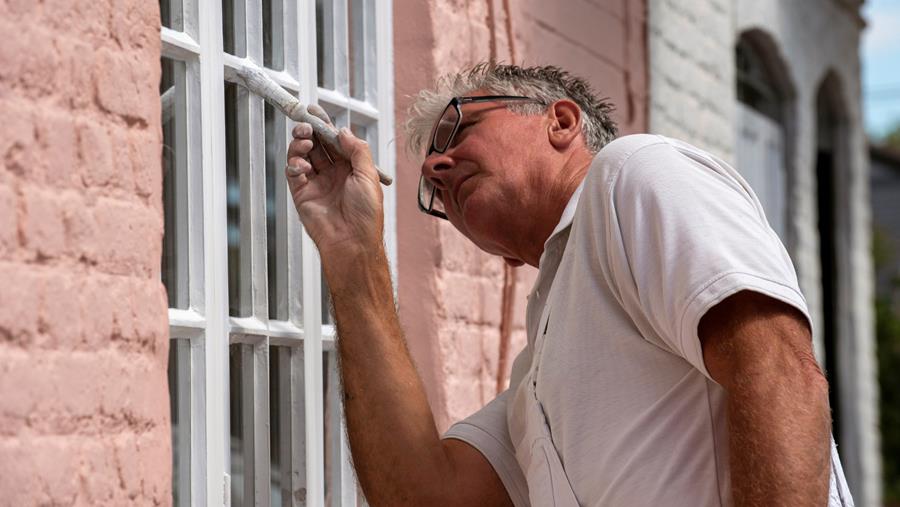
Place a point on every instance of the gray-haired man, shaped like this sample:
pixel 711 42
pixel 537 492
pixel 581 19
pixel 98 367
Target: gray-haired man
pixel 669 358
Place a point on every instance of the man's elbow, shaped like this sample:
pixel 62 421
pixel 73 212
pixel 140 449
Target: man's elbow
pixel 814 385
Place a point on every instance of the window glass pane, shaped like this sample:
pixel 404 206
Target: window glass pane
pixel 233 27
pixel 236 418
pixel 179 407
pixel 228 26
pixel 276 258
pixel 325 43
pixel 332 430
pixel 273 34
pixel 171 14
pixel 277 436
pixel 327 307
pixel 755 85
pixel 233 197
pixel 174 269
pixel 356 14
pixel 280 420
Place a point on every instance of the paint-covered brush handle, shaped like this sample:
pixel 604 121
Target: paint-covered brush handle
pixel 260 84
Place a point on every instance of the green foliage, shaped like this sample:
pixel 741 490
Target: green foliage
pixel 882 247
pixel 888 338
pixel 887 335
pixel 893 137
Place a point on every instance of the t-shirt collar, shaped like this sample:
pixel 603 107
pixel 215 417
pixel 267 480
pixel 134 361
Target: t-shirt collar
pixel 568 215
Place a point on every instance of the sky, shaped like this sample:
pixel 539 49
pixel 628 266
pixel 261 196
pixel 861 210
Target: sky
pixel 881 66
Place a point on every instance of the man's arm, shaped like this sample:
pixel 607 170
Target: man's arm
pixel 760 350
pixel 397 453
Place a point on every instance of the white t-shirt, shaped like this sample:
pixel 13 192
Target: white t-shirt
pixel 610 402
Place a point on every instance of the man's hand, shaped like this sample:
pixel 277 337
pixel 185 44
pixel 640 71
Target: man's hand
pixel 339 200
pixel 760 350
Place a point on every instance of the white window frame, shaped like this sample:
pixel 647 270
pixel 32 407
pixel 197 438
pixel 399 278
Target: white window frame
pixel 205 328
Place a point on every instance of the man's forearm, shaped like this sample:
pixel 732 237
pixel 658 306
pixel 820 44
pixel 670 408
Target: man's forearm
pixel 396 448
pixel 779 434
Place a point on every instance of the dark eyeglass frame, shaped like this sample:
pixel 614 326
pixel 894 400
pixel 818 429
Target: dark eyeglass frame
pixel 456 103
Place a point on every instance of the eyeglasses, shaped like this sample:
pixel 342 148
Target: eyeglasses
pixel 442 138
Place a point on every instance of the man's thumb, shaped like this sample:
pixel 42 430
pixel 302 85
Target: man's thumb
pixel 357 151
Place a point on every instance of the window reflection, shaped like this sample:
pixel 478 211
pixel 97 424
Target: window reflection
pixel 276 148
pixel 174 164
pixel 236 419
pixel 273 34
pixel 179 408
pixel 171 14
pixel 233 197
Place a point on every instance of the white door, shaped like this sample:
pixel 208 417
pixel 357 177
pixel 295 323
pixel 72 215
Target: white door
pixel 760 160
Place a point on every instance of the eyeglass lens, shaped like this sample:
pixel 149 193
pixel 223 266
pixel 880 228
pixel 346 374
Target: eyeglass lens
pixel 443 133
pixel 429 197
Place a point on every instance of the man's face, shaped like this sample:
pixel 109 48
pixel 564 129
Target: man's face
pixel 489 175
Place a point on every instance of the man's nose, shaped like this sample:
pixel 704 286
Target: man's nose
pixel 437 168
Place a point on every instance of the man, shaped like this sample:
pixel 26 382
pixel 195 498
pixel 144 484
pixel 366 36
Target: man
pixel 669 357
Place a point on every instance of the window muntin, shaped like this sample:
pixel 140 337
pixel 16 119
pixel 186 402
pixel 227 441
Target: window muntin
pixel 252 338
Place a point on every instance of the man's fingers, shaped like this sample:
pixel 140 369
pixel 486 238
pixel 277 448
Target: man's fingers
pixel 316 110
pixel 300 147
pixel 302 163
pixel 300 180
pixel 298 166
pixel 302 131
pixel 307 144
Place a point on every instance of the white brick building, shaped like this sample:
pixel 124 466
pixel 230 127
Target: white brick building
pixel 774 87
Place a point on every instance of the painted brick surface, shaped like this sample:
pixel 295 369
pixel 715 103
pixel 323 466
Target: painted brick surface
pixel 84 416
pixel 692 85
pixel 450 292
pixel 690 47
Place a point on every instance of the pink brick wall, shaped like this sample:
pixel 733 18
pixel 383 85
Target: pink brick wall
pixel 450 293
pixel 84 415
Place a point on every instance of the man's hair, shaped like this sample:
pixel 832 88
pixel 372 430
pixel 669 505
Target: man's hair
pixel 545 84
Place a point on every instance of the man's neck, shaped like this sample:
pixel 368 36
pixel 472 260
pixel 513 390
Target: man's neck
pixel 570 177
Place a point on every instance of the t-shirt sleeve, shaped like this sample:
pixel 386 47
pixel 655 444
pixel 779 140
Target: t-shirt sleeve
pixel 683 232
pixel 488 431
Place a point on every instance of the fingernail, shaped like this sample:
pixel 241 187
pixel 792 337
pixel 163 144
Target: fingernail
pixel 345 131
pixel 293 171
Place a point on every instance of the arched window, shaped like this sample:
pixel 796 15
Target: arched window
pixel 763 93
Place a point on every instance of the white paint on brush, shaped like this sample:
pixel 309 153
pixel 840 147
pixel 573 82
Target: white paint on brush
pixel 260 84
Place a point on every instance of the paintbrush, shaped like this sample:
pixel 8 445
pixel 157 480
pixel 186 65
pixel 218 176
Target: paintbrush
pixel 260 84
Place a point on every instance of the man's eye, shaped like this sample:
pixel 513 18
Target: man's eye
pixel 461 132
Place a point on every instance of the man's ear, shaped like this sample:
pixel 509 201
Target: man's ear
pixel 565 123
